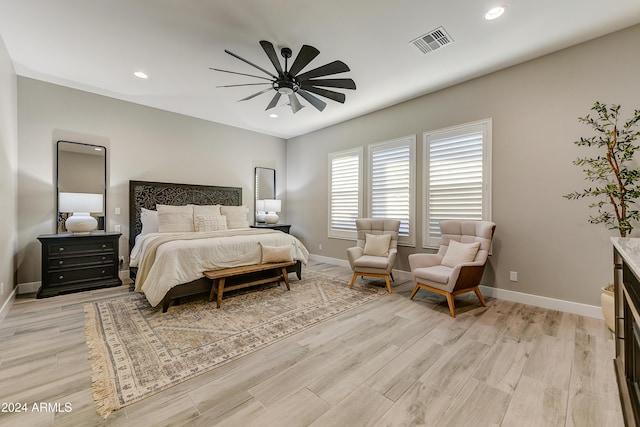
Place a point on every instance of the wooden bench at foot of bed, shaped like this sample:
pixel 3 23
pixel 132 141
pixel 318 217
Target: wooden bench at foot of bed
pixel 219 277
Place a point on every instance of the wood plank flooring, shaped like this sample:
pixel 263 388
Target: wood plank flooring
pixel 392 362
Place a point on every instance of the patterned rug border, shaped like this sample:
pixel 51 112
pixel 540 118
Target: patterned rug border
pixel 104 379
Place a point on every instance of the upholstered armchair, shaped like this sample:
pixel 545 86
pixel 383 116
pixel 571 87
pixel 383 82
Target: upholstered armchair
pixel 376 249
pixel 458 266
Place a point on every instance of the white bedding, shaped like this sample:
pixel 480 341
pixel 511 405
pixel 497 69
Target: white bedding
pixel 182 261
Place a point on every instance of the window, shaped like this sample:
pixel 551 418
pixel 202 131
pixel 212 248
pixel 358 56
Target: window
pixel 392 184
pixel 457 176
pixel 345 193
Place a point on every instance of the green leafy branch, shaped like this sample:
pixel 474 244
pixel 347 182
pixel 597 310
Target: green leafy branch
pixel 615 183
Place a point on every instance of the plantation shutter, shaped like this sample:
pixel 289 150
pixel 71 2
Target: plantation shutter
pixel 455 184
pixel 391 184
pixel 344 198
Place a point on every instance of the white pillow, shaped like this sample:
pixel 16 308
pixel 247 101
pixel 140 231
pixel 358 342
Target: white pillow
pixel 236 216
pixel 206 210
pixel 149 221
pixel 276 254
pixel 210 223
pixel 173 219
pixel 459 253
pixel 377 244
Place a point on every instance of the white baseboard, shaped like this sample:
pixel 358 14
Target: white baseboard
pixel 328 260
pixel 7 305
pixel 503 294
pixel 28 288
pixel 544 302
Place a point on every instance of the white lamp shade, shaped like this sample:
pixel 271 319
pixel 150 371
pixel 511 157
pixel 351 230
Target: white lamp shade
pixel 260 205
pixel 81 202
pixel 272 205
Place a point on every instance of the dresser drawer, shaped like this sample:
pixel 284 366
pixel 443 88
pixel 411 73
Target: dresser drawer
pixel 80 275
pixel 83 260
pixel 80 247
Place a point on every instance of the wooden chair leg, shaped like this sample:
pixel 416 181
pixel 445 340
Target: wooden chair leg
pixel 452 305
pixel 386 278
pixel 415 291
pixel 479 295
pixel 353 280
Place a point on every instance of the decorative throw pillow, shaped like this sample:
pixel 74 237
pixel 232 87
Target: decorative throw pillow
pixel 173 219
pixel 149 221
pixel 236 216
pixel 377 244
pixel 276 254
pixel 459 253
pixel 206 210
pixel 210 223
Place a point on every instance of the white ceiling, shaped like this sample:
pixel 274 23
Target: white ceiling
pixel 96 45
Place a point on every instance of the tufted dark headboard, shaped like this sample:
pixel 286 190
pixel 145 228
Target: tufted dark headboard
pixel 146 194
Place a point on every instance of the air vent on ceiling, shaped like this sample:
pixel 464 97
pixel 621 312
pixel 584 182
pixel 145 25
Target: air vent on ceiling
pixel 432 40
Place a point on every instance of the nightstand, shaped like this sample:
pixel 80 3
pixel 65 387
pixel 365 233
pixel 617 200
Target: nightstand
pixel 281 227
pixel 78 262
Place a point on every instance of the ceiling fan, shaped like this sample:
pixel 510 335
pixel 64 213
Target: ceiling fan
pixel 288 81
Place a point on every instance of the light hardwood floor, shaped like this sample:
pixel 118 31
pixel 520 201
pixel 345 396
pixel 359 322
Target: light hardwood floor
pixel 389 362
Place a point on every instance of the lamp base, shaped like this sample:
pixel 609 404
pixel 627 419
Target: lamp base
pixel 261 217
pixel 272 218
pixel 81 223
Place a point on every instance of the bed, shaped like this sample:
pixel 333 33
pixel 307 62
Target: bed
pixel 167 274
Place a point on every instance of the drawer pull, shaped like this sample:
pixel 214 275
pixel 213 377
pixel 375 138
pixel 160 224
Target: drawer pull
pixel 102 272
pixel 60 262
pixel 60 277
pixel 104 257
pixel 104 246
pixel 61 249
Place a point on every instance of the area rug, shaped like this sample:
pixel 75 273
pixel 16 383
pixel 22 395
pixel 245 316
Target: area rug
pixel 138 350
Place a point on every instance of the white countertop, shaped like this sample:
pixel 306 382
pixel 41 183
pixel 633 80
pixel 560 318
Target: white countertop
pixel 629 249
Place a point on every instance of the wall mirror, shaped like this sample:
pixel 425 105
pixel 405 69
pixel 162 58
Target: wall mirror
pixel 265 185
pixel 81 168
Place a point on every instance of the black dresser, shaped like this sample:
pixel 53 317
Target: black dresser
pixel 78 262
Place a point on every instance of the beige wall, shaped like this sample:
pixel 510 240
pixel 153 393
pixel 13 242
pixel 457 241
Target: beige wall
pixel 142 144
pixel 534 107
pixel 8 173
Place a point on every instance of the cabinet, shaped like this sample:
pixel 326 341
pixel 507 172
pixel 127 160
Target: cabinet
pixel 78 262
pixel 281 227
pixel 626 256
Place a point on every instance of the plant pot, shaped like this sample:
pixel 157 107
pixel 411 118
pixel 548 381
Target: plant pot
pixel 607 304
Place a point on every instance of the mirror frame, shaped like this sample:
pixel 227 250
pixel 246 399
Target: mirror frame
pixel 258 171
pixel 104 190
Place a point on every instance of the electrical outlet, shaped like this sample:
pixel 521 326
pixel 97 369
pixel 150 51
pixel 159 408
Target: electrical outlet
pixel 513 276
pixel 2 288
pixel 320 247
pixel 117 228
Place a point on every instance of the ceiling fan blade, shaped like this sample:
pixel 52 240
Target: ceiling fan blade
pixel 316 102
pixel 256 94
pixel 306 55
pixel 241 74
pixel 341 83
pixel 295 103
pixel 273 56
pixel 274 101
pixel 246 84
pixel 250 63
pixel 334 67
pixel 336 96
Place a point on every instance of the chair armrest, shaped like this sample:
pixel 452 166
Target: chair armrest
pixel 424 260
pixel 353 254
pixel 467 275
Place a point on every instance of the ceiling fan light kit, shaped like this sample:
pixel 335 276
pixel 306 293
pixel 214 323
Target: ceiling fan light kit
pixel 288 81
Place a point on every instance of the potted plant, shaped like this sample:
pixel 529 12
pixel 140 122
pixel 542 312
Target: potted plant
pixel 615 180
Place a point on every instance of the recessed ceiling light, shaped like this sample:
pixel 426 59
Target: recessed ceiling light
pixel 494 13
pixel 140 75
pixel 273 115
